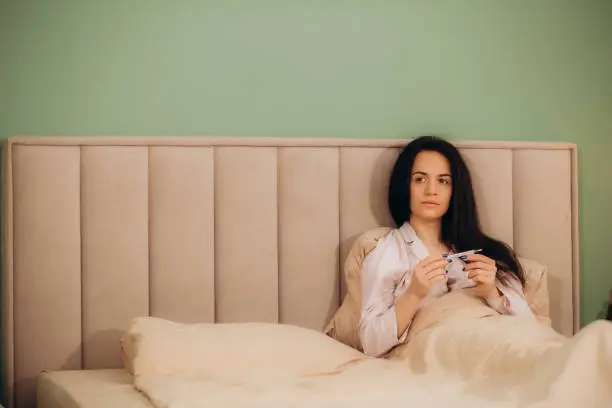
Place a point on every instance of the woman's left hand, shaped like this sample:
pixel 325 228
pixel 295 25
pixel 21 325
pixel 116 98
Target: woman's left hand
pixel 482 270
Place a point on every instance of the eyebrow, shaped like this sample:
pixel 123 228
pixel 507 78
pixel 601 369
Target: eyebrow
pixel 426 174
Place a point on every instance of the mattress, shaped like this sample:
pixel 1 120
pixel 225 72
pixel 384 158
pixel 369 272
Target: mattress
pixel 89 389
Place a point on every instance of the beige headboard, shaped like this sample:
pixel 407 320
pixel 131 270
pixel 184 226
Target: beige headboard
pixel 100 230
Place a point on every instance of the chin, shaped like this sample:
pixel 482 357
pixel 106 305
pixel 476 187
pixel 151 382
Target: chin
pixel 429 215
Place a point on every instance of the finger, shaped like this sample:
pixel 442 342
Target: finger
pixel 441 264
pixel 480 275
pixel 435 273
pixel 431 259
pixel 480 258
pixel 481 279
pixel 477 273
pixel 423 271
pixel 438 279
pixel 476 270
pixel 476 278
pixel 479 265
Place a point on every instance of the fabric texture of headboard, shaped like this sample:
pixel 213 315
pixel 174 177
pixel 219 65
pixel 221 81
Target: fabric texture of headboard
pixel 98 230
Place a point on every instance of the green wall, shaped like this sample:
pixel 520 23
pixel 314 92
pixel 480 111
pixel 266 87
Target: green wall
pixel 481 70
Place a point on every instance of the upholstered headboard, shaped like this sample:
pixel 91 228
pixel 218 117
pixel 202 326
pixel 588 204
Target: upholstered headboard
pixel 100 230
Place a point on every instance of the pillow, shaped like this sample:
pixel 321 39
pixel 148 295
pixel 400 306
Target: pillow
pixel 344 325
pixel 155 346
pixel 126 344
pixel 536 289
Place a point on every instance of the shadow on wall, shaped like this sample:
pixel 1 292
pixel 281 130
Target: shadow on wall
pixel 375 212
pixel 379 187
pixel 555 286
pixel 103 349
pixel 103 344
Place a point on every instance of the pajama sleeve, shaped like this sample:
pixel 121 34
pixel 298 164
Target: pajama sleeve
pixel 512 302
pixel 378 324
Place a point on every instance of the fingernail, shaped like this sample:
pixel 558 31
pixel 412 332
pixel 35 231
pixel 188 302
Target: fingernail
pixel 463 257
pixel 449 260
pixel 444 255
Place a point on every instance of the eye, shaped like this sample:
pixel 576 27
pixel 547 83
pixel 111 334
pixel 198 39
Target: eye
pixel 419 179
pixel 445 181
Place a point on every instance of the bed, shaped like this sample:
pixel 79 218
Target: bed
pixel 99 230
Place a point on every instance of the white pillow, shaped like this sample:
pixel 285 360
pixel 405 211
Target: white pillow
pixel 154 346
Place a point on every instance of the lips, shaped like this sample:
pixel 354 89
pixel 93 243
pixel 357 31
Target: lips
pixel 430 203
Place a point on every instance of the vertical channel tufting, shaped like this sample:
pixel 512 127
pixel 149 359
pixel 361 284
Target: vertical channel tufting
pixel 364 181
pixel 215 240
pixel 115 247
pixel 278 233
pixel 246 244
pixel 182 233
pixel 543 223
pixel 149 295
pixel 277 180
pixel 47 285
pixel 308 235
pixel 493 189
pixel 82 303
pixel 101 220
pixel 340 261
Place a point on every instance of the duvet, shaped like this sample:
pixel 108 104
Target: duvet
pixel 459 354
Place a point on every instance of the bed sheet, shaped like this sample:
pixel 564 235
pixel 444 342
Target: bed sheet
pixel 89 389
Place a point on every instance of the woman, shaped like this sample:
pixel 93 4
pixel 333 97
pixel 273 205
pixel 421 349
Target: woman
pixel 431 200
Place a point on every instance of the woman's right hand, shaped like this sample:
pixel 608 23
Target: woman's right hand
pixel 428 272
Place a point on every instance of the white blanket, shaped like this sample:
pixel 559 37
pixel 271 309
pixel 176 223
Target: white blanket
pixel 493 362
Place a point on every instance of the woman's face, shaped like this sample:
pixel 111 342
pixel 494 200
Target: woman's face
pixel 430 186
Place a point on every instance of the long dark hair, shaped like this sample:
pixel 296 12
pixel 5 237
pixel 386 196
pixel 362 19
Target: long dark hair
pixel 461 230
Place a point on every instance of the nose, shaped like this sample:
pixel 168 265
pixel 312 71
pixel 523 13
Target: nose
pixel 431 188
